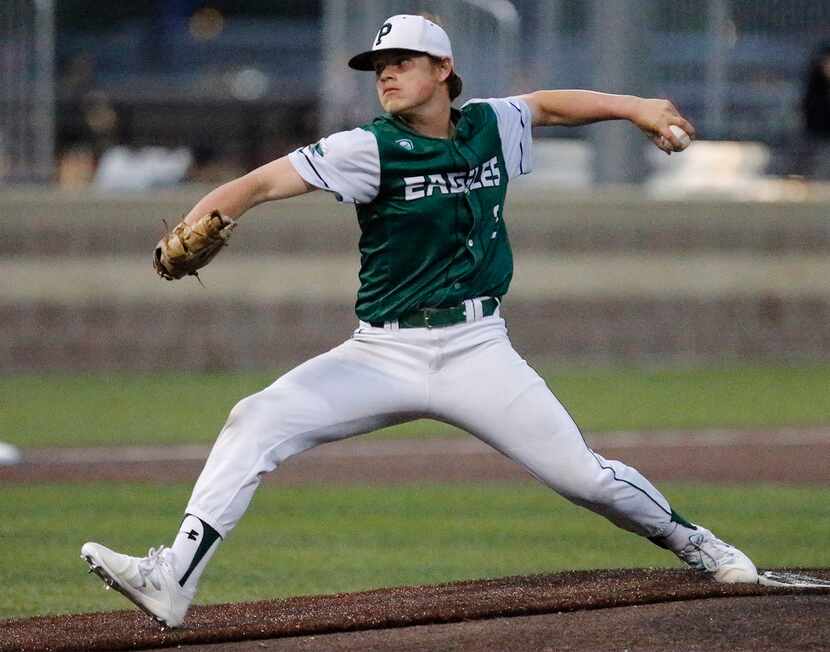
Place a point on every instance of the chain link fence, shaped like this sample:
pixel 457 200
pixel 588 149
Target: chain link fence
pixel 736 68
pixel 27 95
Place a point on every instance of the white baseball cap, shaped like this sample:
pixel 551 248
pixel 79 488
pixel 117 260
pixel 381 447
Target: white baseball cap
pixel 406 32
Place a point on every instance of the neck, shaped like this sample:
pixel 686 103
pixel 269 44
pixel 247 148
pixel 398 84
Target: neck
pixel 432 119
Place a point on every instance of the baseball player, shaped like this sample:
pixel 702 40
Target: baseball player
pixel 429 183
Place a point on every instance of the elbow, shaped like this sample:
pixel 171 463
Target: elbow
pixel 545 113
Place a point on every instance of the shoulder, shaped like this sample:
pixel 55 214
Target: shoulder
pixel 343 148
pixel 515 107
pixel 514 119
pixel 346 163
pixel 478 108
pixel 383 129
pixel 343 142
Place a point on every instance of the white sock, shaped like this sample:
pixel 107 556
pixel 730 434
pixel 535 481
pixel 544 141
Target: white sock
pixel 193 547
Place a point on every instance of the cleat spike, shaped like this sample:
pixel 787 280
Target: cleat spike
pixel 148 597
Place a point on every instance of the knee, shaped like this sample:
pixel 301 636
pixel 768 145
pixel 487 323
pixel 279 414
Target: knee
pixel 586 482
pixel 256 416
pixel 577 489
pixel 276 416
pixel 590 492
pixel 245 411
pixel 601 481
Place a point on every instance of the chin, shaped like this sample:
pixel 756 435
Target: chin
pixel 391 106
pixel 395 104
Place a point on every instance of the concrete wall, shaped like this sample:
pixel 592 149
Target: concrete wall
pixel 80 294
pixel 47 223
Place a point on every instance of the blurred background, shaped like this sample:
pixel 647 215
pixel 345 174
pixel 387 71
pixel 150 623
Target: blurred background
pixel 115 117
pixel 236 84
pixel 653 293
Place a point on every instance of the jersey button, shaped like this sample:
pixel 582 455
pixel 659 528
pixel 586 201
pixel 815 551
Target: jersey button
pixel 470 243
pixel 457 286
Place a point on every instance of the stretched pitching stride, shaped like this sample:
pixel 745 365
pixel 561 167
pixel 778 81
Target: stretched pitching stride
pixel 429 183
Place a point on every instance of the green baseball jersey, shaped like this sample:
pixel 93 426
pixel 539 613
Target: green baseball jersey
pixel 431 210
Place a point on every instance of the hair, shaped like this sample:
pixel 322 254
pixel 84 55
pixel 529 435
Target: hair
pixel 454 82
pixel 454 85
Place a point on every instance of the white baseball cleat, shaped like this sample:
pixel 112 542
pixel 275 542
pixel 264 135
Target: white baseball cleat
pixel 728 565
pixel 149 582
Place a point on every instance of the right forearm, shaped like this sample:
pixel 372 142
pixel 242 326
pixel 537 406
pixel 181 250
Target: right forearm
pixel 275 180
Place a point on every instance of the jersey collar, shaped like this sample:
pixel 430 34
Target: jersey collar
pixel 458 118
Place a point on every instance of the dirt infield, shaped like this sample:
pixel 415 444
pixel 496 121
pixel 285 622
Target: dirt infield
pixel 582 610
pixel 782 456
pixel 740 623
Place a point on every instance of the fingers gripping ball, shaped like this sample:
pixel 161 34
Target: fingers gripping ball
pixel 188 248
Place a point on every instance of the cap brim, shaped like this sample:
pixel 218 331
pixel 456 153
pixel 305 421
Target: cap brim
pixel 362 61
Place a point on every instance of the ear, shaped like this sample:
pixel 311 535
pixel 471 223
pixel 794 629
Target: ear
pixel 444 68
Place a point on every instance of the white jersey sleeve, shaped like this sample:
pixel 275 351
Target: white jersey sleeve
pixel 515 130
pixel 346 163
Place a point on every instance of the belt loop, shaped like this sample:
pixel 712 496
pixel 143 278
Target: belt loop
pixel 469 310
pixel 392 325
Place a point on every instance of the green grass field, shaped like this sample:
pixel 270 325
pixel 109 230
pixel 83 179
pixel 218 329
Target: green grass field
pixel 78 410
pixel 323 540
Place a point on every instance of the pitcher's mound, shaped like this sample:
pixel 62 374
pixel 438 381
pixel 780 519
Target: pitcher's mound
pixel 637 609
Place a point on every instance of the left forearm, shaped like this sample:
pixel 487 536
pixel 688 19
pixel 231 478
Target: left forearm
pixel 578 107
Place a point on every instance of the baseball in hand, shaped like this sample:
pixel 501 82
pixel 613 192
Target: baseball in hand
pixel 682 136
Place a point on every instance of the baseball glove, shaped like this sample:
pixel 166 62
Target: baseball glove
pixel 188 248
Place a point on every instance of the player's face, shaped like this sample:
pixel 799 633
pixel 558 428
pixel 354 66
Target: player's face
pixel 405 80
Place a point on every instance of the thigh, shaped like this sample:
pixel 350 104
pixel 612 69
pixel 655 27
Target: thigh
pixel 350 390
pixel 495 395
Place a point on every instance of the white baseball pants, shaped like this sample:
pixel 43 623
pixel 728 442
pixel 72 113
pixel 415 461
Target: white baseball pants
pixel 467 375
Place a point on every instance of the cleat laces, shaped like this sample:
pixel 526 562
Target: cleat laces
pixel 704 559
pixel 148 566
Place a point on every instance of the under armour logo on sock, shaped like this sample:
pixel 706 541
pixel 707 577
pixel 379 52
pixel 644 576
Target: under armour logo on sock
pixel 192 535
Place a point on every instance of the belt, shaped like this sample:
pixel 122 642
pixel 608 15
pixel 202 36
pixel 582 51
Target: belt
pixel 440 317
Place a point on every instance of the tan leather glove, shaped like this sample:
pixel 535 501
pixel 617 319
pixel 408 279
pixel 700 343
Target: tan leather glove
pixel 188 248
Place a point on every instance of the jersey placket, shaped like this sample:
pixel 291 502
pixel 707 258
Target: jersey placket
pixel 464 260
pixel 470 239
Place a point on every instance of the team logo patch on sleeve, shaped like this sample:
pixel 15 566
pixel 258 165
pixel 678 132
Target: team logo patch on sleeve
pixel 319 148
pixel 406 144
